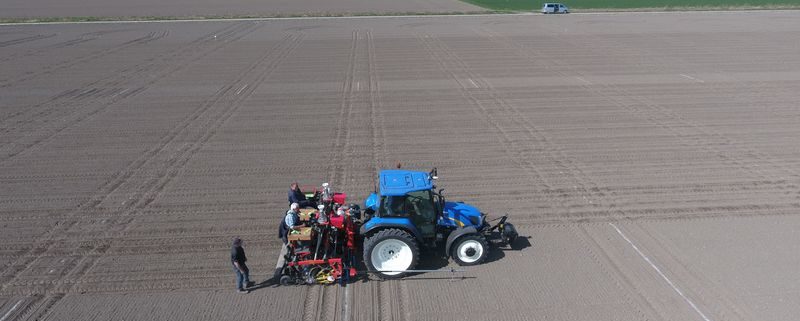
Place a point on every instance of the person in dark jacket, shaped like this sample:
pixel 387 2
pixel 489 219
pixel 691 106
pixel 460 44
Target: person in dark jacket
pixel 297 196
pixel 239 259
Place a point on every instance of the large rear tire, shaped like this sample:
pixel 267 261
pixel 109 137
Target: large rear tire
pixel 390 252
pixel 470 249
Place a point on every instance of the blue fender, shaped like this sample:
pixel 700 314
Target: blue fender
pixel 459 232
pixel 402 223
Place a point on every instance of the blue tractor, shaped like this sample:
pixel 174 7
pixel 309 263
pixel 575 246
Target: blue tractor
pixel 407 213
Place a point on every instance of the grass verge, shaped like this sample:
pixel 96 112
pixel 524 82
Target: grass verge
pixel 640 5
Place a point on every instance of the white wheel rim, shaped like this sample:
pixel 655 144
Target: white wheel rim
pixel 465 246
pixel 392 255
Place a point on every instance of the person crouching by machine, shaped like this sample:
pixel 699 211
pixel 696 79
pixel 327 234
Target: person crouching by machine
pixel 291 222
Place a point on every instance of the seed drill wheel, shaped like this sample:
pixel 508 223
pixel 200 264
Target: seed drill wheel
pixel 389 252
pixel 286 280
pixel 470 249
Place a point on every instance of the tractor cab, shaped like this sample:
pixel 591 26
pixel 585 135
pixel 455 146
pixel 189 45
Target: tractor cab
pixel 410 197
pixel 407 196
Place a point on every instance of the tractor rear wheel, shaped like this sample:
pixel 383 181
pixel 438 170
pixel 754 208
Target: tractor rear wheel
pixel 470 249
pixel 390 252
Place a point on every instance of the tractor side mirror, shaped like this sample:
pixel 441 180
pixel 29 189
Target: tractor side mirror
pixel 441 199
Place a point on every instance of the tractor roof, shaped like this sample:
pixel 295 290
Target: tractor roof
pixel 396 182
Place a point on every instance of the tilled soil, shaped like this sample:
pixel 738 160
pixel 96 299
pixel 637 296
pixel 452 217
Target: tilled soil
pixel 649 161
pixel 216 8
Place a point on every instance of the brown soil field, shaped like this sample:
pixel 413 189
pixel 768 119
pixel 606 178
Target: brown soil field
pixel 214 8
pixel 651 160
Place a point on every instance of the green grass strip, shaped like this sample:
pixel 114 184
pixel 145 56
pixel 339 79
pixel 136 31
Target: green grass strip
pixel 642 5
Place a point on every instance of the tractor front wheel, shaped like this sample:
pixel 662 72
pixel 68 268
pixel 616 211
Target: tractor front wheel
pixel 469 250
pixel 391 252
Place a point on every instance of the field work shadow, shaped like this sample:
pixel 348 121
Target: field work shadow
pixel 432 265
pixel 497 253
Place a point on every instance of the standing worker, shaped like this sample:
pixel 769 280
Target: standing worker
pixel 238 260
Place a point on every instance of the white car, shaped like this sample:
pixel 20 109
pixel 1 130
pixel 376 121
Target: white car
pixel 554 8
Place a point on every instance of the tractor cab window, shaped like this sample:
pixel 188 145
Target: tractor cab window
pixel 412 205
pixel 421 204
pixel 394 206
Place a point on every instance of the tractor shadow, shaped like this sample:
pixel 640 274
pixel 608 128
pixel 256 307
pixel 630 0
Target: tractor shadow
pixel 499 252
pixel 432 259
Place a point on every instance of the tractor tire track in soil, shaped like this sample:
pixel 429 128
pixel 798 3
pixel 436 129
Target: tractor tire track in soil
pixel 669 160
pixel 583 185
pixel 611 93
pixel 645 308
pixel 86 37
pixel 377 119
pixel 76 106
pixel 361 107
pixel 321 302
pixel 24 40
pixel 726 304
pixel 207 120
pixel 688 132
pixel 337 167
pixel 505 124
pixel 388 302
pixel 152 36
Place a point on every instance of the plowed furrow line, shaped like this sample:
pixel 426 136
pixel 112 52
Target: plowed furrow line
pixel 689 132
pixel 514 118
pixel 377 119
pixel 312 302
pixel 713 138
pixel 389 303
pixel 332 299
pixel 625 285
pixel 82 59
pixel 68 43
pixel 37 309
pixel 76 110
pixel 162 64
pixel 734 308
pixel 391 300
pixel 450 64
pixel 320 303
pixel 336 167
pixel 703 137
pixel 210 125
pixel 24 40
pixel 22 308
pixel 258 72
